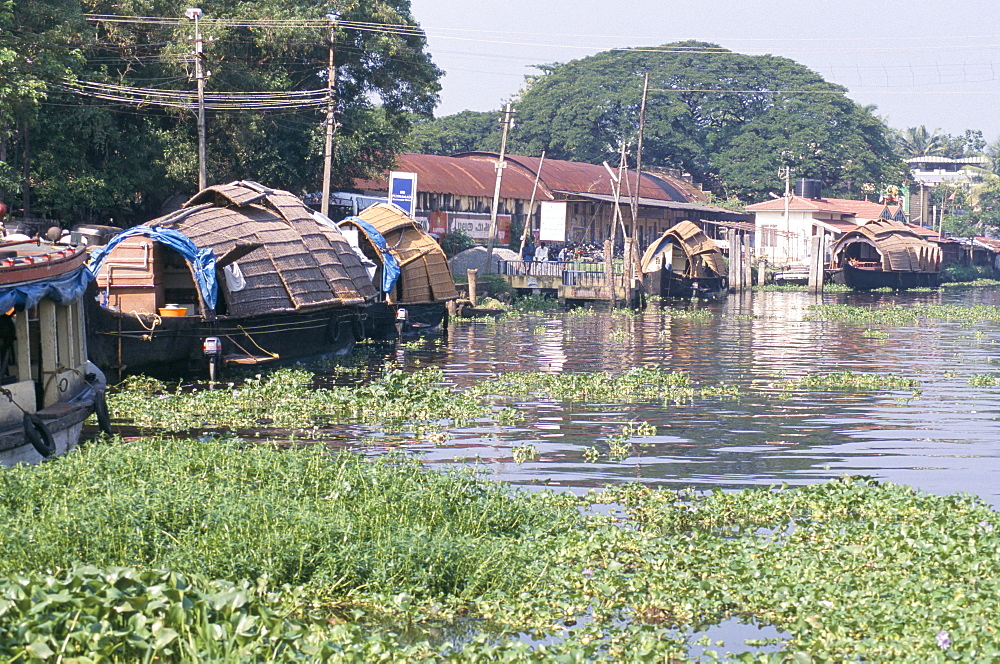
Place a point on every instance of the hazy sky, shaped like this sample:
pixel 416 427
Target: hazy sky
pixel 920 62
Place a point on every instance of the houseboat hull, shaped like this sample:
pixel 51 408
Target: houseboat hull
pixel 172 346
pixel 669 284
pixel 382 323
pixel 869 279
pixel 63 424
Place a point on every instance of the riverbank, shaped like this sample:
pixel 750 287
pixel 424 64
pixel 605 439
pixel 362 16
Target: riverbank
pixel 213 550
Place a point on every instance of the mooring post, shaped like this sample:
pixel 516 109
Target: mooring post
pixel 816 272
pixel 472 285
pixel 747 266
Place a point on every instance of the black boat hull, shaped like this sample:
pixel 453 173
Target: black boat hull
pixel 866 279
pixel 669 284
pixel 171 347
pixel 381 323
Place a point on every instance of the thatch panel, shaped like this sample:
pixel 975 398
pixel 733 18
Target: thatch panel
pixel 715 262
pixel 439 275
pixel 233 193
pixel 416 287
pixel 386 218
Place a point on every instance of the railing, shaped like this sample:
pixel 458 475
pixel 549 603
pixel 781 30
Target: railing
pixel 572 273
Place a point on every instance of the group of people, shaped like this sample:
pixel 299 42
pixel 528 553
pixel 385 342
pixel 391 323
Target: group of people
pixel 549 252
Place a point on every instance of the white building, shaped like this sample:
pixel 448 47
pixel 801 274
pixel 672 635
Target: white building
pixel 786 225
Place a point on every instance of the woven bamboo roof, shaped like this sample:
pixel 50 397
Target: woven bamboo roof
pixel 301 265
pixel 901 248
pixel 424 272
pixel 700 250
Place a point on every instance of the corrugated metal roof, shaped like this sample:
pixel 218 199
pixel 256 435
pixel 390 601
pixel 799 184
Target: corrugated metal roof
pixel 437 174
pixel 669 205
pixel 474 174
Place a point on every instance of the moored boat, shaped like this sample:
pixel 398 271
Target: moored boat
pixel 684 263
pixel 885 254
pixel 241 274
pixel 48 387
pixel 410 270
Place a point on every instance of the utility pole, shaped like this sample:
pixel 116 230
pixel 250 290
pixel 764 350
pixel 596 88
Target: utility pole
pixel 500 165
pixel 331 122
pixel 631 250
pixel 531 205
pixel 193 14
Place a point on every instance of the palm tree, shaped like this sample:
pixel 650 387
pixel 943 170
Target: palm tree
pixel 918 142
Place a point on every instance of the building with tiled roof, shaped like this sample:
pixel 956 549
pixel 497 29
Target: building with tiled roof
pixel 786 225
pixel 575 198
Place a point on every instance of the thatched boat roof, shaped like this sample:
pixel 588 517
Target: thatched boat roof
pixel 900 247
pixel 700 250
pixel 289 262
pixel 424 272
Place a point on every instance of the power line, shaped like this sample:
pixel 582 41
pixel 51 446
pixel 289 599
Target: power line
pixel 215 101
pixel 363 26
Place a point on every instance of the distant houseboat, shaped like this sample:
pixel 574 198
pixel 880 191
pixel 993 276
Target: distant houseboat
pixel 410 270
pixel 684 263
pixel 885 254
pixel 47 385
pixel 241 274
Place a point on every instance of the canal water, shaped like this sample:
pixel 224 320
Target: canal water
pixel 945 438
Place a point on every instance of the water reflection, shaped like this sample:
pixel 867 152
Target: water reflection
pixel 945 439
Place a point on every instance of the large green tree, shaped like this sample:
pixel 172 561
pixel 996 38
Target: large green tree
pixel 93 159
pixel 467 131
pixel 731 120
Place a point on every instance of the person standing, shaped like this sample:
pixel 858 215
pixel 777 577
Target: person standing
pixel 528 252
pixel 542 253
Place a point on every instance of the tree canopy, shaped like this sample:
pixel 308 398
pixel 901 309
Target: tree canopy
pixel 733 121
pixel 90 159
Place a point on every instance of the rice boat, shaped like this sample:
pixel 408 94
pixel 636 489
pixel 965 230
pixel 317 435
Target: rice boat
pixel 409 268
pixel 684 263
pixel 241 275
pixel 885 254
pixel 48 387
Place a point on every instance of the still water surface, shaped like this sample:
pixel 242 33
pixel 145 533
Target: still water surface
pixel 944 440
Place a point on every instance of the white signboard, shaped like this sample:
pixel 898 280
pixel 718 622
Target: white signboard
pixel 553 221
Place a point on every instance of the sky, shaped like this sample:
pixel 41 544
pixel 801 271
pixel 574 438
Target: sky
pixel 927 63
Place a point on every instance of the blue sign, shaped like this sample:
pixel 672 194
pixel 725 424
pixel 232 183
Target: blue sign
pixel 403 191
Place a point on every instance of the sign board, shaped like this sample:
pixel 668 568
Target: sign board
pixel 553 221
pixel 403 191
pixel 477 226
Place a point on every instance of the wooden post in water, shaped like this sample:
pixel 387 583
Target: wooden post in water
pixel 761 273
pixel 735 261
pixel 609 269
pixel 472 285
pixel 816 272
pixel 747 266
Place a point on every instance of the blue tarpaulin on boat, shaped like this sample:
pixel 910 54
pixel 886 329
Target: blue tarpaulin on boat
pixel 64 290
pixel 202 261
pixel 390 270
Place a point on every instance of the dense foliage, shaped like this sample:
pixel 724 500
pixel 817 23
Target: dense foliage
pixel 88 159
pixel 733 121
pixel 212 550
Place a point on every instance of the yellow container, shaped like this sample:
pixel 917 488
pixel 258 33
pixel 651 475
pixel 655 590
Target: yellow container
pixel 170 310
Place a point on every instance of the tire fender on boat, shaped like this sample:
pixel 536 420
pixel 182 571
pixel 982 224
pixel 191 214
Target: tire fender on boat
pixel 38 435
pixel 101 411
pixel 358 328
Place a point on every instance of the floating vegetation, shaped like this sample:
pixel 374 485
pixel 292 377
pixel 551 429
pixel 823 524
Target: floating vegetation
pixel 643 383
pixel 975 283
pixel 782 288
pixel 700 315
pixel 536 303
pixel 340 558
pixel 523 453
pixel 620 336
pixel 900 315
pixel 984 380
pixel 288 399
pixel 849 381
pixel 875 334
